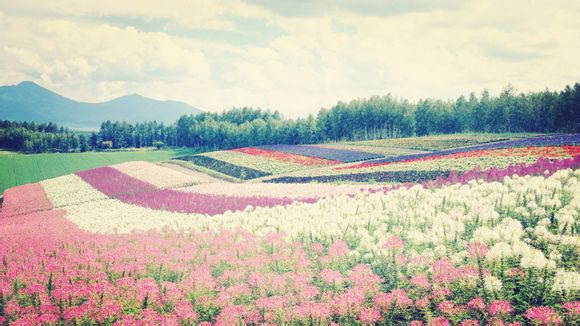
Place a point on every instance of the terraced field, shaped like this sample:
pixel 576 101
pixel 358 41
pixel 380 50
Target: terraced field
pixel 431 165
pixel 484 234
pixel 270 161
pixel 250 163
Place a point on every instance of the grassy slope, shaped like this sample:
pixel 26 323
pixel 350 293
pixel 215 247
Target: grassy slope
pixel 17 169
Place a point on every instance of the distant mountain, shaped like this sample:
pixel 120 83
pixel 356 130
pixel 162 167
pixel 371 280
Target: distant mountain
pixel 28 101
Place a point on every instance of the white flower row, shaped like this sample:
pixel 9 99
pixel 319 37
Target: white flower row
pixel 70 190
pixel 292 190
pixel 156 175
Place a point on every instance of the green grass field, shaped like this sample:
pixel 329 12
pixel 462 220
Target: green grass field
pixel 17 169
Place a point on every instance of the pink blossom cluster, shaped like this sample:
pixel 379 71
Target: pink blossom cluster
pixel 52 272
pixel 24 199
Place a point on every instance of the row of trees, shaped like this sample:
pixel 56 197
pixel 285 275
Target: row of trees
pixel 360 119
pixel 381 117
pixel 39 138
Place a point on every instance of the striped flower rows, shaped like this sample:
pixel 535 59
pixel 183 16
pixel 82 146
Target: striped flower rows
pixel 450 255
pixel 428 166
pixel 544 141
pixel 255 162
pixel 286 157
pixel 534 153
pixel 497 246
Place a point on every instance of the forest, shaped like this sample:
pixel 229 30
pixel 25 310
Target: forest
pixel 360 119
pixel 30 137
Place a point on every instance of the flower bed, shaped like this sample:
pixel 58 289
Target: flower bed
pixel 235 171
pixel 494 246
pixel 387 176
pixel 535 153
pixel 156 175
pixel 497 252
pixel 437 142
pixel 259 163
pixel 286 157
pixel 70 190
pixel 381 150
pixel 280 190
pixel 114 183
pixel 130 190
pixel 24 199
pixel 184 202
pixel 324 153
pixel 461 162
pixel 560 140
pixel 423 173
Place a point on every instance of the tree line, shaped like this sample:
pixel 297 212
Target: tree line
pixel 40 138
pixel 361 119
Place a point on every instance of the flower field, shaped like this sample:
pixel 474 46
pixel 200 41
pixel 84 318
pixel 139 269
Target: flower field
pixel 438 142
pixel 380 150
pixel 495 242
pixel 430 165
pixel 561 140
pixel 253 162
pixel 236 171
pixel 327 153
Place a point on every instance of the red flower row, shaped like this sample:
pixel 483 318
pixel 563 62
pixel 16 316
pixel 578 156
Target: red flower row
pixel 286 157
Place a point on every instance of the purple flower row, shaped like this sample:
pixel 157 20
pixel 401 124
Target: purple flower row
pixel 322 152
pixel 543 167
pixel 127 189
pixel 558 140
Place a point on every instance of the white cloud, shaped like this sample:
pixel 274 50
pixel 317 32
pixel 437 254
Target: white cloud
pixel 76 49
pixel 208 14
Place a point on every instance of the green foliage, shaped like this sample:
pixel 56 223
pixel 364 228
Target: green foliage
pixel 158 144
pixel 38 138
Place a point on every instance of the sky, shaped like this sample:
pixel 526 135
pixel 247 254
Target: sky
pixel 293 56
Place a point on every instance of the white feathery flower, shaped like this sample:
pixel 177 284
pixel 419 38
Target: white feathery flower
pixel 500 250
pixel 566 282
pixel 493 284
pixel 536 259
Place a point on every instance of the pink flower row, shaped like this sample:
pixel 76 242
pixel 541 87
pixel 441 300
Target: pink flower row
pixel 52 272
pixel 130 190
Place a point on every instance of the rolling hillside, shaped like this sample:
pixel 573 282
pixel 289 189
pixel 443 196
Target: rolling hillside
pixel 489 230
pixel 28 101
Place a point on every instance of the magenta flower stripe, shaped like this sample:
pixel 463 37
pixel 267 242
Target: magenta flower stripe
pixel 116 184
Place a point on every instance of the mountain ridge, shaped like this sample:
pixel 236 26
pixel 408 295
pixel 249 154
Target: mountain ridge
pixel 28 101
